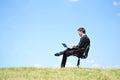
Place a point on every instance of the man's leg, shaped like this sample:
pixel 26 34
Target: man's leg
pixel 65 55
pixel 64 59
pixel 60 53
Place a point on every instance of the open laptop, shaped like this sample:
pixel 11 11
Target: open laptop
pixel 64 45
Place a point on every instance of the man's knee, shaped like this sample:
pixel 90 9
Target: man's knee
pixel 69 53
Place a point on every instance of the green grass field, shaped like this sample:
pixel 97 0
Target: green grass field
pixel 58 74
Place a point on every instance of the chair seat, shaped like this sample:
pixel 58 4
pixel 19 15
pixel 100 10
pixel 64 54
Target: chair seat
pixel 84 55
pixel 81 56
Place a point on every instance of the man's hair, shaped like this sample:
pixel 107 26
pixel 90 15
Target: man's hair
pixel 82 29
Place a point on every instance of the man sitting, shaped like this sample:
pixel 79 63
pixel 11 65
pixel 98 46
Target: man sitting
pixel 75 50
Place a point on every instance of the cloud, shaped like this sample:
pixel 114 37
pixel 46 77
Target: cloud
pixel 118 14
pixel 116 3
pixel 37 65
pixel 60 57
pixel 69 64
pixel 73 0
pixel 93 64
pixel 91 61
pixel 116 66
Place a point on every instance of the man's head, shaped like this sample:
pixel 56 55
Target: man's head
pixel 81 31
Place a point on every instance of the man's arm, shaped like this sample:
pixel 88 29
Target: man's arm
pixel 81 43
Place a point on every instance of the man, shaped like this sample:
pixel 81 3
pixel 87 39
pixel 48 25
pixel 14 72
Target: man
pixel 75 50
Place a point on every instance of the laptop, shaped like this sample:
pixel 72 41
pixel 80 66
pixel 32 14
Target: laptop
pixel 64 45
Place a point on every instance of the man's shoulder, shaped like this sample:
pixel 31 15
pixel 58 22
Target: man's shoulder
pixel 85 37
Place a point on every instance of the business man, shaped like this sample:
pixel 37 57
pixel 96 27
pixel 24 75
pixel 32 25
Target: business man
pixel 75 50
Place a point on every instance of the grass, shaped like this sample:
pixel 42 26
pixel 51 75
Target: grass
pixel 58 74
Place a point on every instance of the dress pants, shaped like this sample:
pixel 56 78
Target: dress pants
pixel 66 54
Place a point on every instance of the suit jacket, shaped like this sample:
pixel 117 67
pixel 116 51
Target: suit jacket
pixel 84 42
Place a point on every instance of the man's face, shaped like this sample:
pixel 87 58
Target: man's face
pixel 80 33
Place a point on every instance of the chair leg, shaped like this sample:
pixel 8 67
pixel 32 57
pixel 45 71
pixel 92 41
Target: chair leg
pixel 78 63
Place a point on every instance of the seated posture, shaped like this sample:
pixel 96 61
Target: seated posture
pixel 77 50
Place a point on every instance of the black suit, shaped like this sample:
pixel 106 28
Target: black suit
pixel 77 50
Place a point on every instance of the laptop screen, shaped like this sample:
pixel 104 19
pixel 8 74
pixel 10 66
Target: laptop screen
pixel 64 45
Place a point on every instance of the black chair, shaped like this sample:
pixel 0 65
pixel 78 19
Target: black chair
pixel 84 56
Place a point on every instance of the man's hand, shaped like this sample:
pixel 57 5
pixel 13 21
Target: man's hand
pixel 71 47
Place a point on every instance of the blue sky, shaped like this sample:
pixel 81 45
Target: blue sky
pixel 31 32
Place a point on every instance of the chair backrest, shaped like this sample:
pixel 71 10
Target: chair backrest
pixel 85 54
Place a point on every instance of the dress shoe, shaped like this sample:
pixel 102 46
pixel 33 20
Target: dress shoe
pixel 57 54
